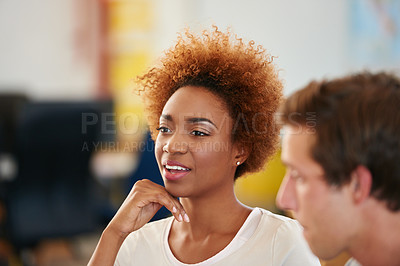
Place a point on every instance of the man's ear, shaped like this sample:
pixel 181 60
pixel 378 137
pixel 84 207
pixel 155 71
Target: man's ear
pixel 242 152
pixel 361 183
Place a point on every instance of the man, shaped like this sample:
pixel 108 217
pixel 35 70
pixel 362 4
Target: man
pixel 342 151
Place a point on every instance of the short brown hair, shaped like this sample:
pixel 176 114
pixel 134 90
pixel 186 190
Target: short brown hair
pixel 242 75
pixel 357 122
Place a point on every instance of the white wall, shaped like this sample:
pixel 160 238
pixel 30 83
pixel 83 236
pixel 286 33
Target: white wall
pixel 39 52
pixel 309 37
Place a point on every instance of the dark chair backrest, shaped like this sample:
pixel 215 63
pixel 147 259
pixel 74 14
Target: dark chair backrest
pixel 52 195
pixel 10 106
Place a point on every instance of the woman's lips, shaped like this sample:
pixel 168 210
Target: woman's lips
pixel 174 170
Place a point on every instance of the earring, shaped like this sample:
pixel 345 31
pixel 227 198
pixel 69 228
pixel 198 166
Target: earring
pixel 237 163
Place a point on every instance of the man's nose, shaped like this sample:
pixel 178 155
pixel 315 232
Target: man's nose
pixel 286 197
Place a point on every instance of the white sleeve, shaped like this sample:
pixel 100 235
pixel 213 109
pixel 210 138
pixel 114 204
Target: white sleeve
pixel 290 248
pixel 125 251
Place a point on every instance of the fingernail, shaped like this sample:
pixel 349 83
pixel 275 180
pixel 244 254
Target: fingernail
pixel 174 209
pixel 186 217
pixel 180 218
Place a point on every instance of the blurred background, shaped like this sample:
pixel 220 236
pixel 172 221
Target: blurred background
pixel 73 140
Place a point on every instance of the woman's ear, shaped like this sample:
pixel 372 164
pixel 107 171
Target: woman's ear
pixel 241 152
pixel 361 183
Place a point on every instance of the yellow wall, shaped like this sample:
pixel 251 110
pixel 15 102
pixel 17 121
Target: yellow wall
pixel 260 189
pixel 131 25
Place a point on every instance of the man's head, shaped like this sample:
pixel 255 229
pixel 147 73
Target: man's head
pixel 342 149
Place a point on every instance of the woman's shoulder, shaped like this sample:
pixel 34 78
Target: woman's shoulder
pixel 286 236
pixel 277 240
pixel 277 220
pixel 284 228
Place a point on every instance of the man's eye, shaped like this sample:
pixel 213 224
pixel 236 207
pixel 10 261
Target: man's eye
pixel 199 133
pixel 296 176
pixel 163 129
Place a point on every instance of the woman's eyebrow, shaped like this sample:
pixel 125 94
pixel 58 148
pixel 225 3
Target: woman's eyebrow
pixel 167 117
pixel 199 120
pixel 192 120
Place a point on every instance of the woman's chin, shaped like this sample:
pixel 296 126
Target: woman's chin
pixel 175 192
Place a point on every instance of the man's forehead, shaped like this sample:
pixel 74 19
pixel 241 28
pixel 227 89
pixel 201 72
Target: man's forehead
pixel 297 142
pixel 299 130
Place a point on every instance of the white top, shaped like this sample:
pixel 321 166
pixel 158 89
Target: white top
pixel 352 262
pixel 264 239
pixel 244 233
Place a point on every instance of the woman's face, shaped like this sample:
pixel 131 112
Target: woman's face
pixel 194 148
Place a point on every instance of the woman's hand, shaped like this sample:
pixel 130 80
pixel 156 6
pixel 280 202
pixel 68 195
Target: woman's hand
pixel 144 200
pixel 142 203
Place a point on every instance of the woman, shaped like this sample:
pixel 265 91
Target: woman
pixel 211 105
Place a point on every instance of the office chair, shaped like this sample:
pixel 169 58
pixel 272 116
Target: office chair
pixel 54 193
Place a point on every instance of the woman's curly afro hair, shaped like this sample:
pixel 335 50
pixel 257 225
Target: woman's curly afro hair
pixel 242 75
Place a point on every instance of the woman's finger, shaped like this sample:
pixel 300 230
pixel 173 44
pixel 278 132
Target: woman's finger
pixel 161 196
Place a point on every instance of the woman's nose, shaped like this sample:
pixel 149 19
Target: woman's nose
pixel 176 144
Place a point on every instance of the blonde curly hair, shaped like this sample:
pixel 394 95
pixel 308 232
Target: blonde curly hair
pixel 242 75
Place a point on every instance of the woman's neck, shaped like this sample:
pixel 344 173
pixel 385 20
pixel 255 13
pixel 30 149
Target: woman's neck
pixel 219 214
pixel 215 219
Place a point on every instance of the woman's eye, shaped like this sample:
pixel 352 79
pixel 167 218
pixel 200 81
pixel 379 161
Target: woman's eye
pixel 199 133
pixel 163 129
